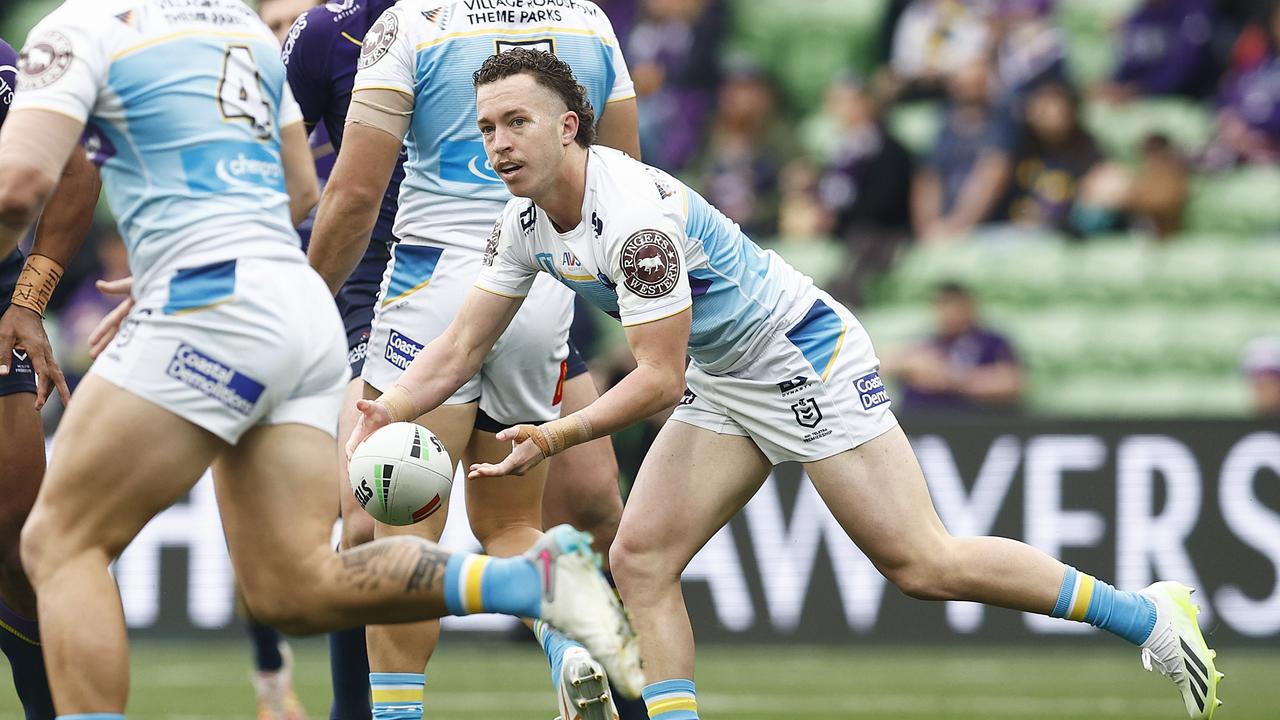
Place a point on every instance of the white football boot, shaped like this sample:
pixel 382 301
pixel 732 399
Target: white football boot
pixel 1178 651
pixel 577 601
pixel 584 689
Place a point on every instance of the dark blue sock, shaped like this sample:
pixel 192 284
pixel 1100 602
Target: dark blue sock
pixel 349 669
pixel 20 642
pixel 266 647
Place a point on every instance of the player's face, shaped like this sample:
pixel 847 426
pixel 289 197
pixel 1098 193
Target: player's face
pixel 523 126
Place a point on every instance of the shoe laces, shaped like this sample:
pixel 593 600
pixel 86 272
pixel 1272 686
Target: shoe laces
pixel 1163 655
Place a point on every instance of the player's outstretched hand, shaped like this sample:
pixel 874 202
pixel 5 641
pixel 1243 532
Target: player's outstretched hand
pixel 23 328
pixel 525 454
pixel 106 329
pixel 373 415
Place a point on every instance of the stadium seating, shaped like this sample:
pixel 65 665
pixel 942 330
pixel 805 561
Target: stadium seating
pixel 1118 325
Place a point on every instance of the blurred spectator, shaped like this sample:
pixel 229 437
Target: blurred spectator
pixel 1149 197
pixel 622 15
pixel 963 367
pixel 1165 48
pixel 672 55
pixel 85 306
pixel 1248 121
pixel 864 188
pixel 1054 154
pixel 1262 365
pixel 746 147
pixel 931 38
pixel 967 173
pixel 280 14
pixel 1030 49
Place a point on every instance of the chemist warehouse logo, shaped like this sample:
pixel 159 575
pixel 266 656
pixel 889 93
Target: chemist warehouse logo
pixel 220 167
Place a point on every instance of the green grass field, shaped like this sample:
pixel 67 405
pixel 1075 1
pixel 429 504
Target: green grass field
pixel 209 681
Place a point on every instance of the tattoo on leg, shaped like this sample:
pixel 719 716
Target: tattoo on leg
pixel 404 562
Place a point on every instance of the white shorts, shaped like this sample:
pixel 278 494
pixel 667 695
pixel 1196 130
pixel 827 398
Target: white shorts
pixel 235 344
pixel 422 291
pixel 813 392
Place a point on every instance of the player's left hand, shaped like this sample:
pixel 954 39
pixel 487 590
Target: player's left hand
pixel 525 455
pixel 109 325
pixel 373 415
pixel 22 327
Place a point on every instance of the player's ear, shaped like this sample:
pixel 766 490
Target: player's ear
pixel 569 127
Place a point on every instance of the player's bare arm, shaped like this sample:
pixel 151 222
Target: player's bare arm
pixel 376 125
pixel 619 127
pixel 656 384
pixel 34 147
pixel 442 366
pixel 299 171
pixel 59 234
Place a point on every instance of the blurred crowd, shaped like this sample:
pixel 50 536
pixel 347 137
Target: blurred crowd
pixel 1010 153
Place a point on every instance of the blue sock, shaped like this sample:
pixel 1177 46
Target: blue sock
pixel 266 647
pixel 349 672
pixel 554 644
pixel 480 583
pixel 397 696
pixel 671 700
pixel 1084 598
pixel 20 642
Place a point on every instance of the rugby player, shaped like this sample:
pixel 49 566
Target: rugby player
pixel 232 356
pixel 423 52
pixel 27 367
pixel 778 371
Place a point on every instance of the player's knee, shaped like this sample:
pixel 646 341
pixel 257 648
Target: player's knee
pixel 493 528
pixel 922 575
pixel 637 563
pixel 35 547
pixel 274 599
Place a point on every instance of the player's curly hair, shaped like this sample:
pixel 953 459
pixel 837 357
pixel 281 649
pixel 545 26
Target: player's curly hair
pixel 550 72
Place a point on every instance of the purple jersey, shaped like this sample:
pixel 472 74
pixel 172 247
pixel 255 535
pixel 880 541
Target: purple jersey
pixel 976 348
pixel 320 55
pixel 10 266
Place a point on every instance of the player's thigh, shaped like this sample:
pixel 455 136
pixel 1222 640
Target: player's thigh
pixel 878 494
pixel 274 493
pixel 499 504
pixel 691 482
pixel 21 465
pixel 117 461
pixel 582 482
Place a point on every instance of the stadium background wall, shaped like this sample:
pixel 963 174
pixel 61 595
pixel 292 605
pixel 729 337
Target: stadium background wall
pixel 1130 501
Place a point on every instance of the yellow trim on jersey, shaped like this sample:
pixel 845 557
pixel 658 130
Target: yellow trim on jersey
pixel 526 31
pixel 202 308
pixel 13 631
pixel 664 317
pixel 357 42
pixel 835 353
pixel 579 278
pixel 402 91
pixel 186 33
pixel 499 294
pixel 407 293
pixel 632 96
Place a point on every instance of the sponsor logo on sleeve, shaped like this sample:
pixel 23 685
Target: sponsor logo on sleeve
pixel 807 412
pixel 292 38
pixel 214 379
pixel 650 264
pixel 377 42
pixel 401 350
pixel 44 61
pixel 871 390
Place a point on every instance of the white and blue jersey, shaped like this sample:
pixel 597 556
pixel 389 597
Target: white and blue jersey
pixel 650 247
pixel 774 358
pixel 184 101
pixel 429 49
